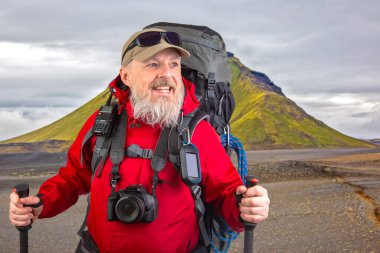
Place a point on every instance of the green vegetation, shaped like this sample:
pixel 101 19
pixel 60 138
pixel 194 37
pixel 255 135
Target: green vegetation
pixel 262 120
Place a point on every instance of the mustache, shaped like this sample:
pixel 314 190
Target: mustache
pixel 162 82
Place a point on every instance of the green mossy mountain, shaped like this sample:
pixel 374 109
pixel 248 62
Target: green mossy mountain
pixel 264 118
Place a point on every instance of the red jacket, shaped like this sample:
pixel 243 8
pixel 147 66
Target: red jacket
pixel 176 228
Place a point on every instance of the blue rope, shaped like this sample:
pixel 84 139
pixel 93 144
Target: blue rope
pixel 231 235
pixel 236 145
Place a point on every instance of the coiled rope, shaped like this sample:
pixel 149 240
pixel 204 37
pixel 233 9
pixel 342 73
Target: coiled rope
pixel 228 235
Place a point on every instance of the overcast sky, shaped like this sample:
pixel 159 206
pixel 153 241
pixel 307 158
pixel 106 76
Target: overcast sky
pixel 325 55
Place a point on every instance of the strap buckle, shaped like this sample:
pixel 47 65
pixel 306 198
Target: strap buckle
pixel 134 151
pixel 185 134
pixel 113 183
pixel 147 153
pixel 114 177
pixel 196 191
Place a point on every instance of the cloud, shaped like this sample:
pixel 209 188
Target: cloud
pixel 17 121
pixel 350 113
pixel 34 75
pixel 61 54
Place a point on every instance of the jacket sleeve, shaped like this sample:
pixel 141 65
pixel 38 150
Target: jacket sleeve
pixel 62 190
pixel 219 176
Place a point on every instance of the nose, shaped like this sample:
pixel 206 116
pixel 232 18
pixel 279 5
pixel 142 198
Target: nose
pixel 165 71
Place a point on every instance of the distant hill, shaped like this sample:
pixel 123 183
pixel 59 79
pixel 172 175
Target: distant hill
pixel 375 141
pixel 264 118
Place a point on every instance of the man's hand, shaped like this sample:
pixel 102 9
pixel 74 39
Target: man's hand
pixel 20 215
pixel 254 206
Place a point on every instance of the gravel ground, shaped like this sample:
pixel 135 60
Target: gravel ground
pixel 314 208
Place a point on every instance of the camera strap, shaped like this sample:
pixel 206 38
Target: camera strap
pixel 117 148
pixel 161 151
pixel 159 157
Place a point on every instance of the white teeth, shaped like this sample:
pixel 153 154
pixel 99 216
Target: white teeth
pixel 163 88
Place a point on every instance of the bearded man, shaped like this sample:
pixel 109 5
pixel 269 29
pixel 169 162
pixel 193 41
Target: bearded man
pixel 152 93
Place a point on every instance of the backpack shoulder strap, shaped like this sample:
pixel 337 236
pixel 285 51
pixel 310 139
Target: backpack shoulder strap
pixel 198 117
pixel 99 156
pixel 184 131
pixel 100 152
pixel 86 138
pixel 177 136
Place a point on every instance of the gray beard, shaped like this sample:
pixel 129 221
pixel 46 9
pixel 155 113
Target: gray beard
pixel 163 112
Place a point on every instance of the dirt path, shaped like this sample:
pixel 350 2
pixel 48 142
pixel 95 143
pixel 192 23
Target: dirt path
pixel 314 208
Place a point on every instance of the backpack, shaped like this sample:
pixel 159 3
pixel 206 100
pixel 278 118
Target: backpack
pixel 208 69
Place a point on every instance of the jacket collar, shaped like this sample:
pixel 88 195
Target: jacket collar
pixel 121 92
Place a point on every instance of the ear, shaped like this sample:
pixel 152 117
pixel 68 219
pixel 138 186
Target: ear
pixel 124 75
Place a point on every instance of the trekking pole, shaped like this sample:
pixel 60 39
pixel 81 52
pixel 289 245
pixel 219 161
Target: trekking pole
pixel 23 191
pixel 250 181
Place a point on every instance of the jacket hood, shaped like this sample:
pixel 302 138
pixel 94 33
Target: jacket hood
pixel 119 90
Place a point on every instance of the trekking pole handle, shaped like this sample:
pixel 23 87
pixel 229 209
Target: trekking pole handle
pixel 250 181
pixel 23 191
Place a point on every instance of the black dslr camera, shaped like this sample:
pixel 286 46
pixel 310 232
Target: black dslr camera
pixel 131 205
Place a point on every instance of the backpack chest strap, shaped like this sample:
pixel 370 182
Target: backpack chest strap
pixel 134 151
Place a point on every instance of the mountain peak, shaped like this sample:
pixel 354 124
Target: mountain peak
pixel 260 79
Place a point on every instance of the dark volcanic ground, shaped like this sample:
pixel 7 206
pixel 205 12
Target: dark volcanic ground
pixel 33 163
pixel 314 208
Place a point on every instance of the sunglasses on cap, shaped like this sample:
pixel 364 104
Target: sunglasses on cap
pixel 153 38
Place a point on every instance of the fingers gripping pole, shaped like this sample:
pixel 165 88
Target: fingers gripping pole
pixel 249 226
pixel 23 191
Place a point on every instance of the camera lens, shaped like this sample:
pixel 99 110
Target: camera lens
pixel 129 209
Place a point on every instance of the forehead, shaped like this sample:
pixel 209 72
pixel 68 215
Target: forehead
pixel 168 53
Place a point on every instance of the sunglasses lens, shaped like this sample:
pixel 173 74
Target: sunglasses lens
pixel 173 38
pixel 149 39
pixel 153 38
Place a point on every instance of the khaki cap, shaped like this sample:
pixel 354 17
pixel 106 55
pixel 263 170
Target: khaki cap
pixel 143 53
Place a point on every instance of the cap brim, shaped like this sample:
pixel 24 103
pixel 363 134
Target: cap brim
pixel 149 52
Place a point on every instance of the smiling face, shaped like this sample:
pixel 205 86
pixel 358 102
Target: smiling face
pixel 156 85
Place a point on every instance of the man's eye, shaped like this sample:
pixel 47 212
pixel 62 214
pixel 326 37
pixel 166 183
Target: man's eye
pixel 152 64
pixel 174 64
